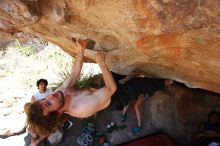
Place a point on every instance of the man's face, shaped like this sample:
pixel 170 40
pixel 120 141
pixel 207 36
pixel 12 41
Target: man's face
pixel 42 87
pixel 52 103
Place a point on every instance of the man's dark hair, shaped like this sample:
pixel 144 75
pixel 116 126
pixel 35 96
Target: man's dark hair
pixel 42 80
pixel 40 124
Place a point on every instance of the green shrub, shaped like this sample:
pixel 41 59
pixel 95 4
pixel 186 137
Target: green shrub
pixel 29 65
pixel 85 81
pixel 25 50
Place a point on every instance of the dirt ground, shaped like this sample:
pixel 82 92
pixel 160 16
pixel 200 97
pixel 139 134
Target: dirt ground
pixel 101 120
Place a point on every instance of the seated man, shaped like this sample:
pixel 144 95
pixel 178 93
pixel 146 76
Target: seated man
pixel 43 91
pixel 209 131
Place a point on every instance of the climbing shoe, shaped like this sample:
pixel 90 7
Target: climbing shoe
pixel 136 129
pixel 123 117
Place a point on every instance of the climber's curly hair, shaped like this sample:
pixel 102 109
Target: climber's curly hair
pixel 40 124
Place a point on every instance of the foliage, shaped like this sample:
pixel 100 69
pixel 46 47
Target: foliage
pixel 84 81
pixel 61 76
pixel 25 50
pixel 29 65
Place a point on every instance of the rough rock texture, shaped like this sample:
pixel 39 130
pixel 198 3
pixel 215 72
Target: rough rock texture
pixel 176 39
pixel 177 111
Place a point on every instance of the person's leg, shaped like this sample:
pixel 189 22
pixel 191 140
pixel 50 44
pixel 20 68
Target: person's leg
pixel 124 113
pixel 125 109
pixel 137 105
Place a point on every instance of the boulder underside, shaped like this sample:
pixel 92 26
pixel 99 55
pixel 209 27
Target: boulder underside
pixel 172 39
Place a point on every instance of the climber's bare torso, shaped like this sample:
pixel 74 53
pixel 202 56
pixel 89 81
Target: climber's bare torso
pixel 81 103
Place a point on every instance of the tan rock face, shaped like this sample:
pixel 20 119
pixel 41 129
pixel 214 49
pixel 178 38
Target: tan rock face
pixel 163 38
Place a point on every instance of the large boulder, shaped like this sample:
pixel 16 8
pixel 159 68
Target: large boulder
pixel 163 38
pixel 177 111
